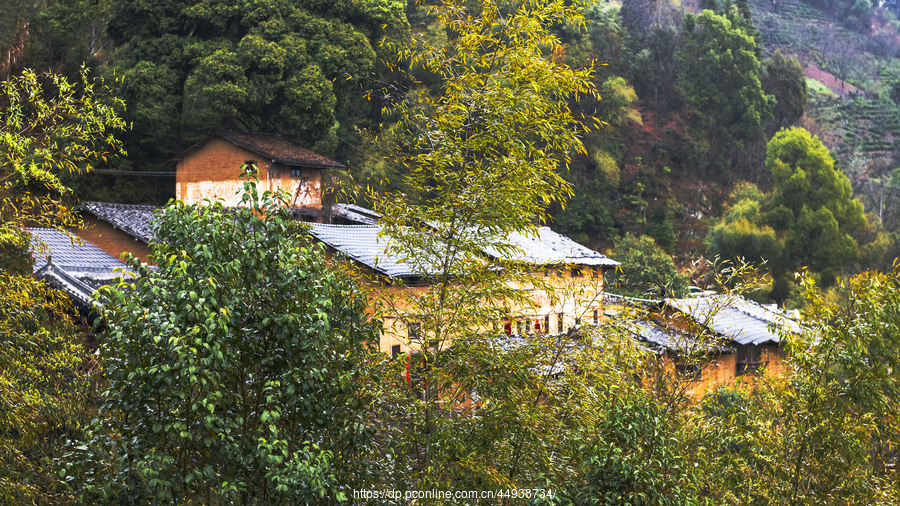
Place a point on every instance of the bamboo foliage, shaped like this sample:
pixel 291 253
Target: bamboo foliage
pixel 481 159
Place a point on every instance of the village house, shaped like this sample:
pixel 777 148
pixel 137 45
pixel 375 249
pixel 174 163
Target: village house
pixel 210 169
pixel 117 228
pixel 719 339
pixel 574 272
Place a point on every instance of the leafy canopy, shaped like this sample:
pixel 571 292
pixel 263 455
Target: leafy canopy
pixel 233 365
pixel 49 127
pixel 720 75
pixel 809 219
pixel 646 270
pixel 480 162
pixel 278 65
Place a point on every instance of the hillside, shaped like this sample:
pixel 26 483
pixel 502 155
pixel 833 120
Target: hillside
pixel 854 79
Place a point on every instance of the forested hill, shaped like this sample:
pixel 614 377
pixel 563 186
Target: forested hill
pixel 691 96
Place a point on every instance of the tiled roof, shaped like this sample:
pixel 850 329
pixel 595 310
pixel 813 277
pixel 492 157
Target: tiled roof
pixel 549 248
pixel 131 219
pixel 274 147
pixel 84 257
pixel 76 269
pixel 355 214
pixel 362 244
pixel 660 338
pixel 738 319
pixel 57 277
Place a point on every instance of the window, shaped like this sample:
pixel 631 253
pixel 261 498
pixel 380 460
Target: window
pixel 296 172
pixel 547 324
pixel 596 317
pixel 596 273
pixel 395 350
pixel 559 323
pixel 518 327
pixel 528 326
pixel 747 359
pixel 577 273
pixel 413 331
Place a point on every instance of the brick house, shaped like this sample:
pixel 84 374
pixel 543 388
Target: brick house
pixel 117 228
pixel 730 338
pixel 210 169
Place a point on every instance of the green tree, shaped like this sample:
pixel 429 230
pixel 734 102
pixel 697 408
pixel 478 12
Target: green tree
pixel 49 126
pixel 481 163
pixel 809 219
pixel 741 233
pixel 783 78
pixel 720 75
pixel 811 207
pixel 234 366
pixel 646 270
pixel 826 431
pixel 279 65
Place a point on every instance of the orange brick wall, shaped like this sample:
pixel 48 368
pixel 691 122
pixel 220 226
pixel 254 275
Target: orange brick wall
pixel 720 371
pixel 213 172
pixel 110 239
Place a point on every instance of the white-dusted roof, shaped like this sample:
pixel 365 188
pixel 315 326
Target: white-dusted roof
pixel 76 269
pixel 363 244
pixel 73 257
pixel 355 214
pixel 736 318
pixel 660 338
pixel 549 248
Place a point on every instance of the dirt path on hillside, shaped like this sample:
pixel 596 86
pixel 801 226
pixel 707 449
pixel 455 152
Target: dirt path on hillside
pixel 813 71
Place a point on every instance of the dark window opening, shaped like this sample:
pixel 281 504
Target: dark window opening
pixel 413 330
pixel 577 273
pixel 547 324
pixel 559 323
pixel 748 359
pixel 596 317
pixel 395 350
